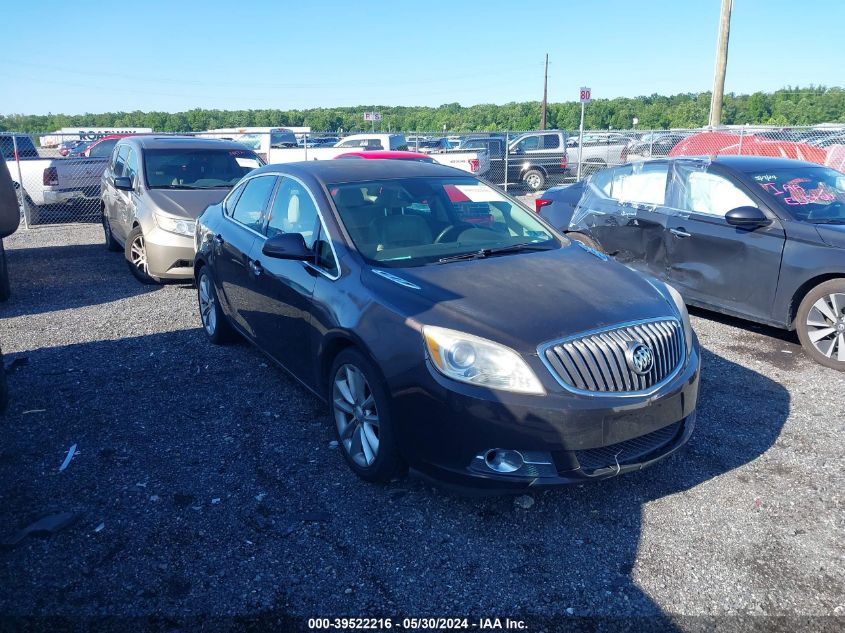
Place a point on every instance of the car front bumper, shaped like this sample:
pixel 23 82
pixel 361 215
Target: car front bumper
pixel 169 255
pixel 447 429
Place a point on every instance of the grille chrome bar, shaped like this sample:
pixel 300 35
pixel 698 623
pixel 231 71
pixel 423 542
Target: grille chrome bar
pixel 596 362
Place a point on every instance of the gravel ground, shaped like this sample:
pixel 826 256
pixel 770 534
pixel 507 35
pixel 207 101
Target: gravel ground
pixel 205 486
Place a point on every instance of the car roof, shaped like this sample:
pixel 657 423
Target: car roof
pixel 746 163
pixel 332 171
pixel 152 141
pixel 388 154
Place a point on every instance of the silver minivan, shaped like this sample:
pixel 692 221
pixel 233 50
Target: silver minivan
pixel 153 190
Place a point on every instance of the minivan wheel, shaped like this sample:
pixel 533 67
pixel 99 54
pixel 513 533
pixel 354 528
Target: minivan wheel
pixel 111 243
pixel 534 179
pixel 215 324
pixel 820 323
pixel 585 240
pixel 136 257
pixel 362 419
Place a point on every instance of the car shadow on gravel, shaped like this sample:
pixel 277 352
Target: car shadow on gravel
pixel 206 485
pixel 53 278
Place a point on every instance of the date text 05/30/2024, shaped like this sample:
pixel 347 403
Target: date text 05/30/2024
pixel 416 624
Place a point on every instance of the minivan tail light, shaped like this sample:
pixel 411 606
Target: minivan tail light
pixel 539 203
pixel 474 165
pixel 50 177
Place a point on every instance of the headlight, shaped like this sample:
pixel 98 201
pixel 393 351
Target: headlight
pixel 478 361
pixel 175 225
pixel 682 310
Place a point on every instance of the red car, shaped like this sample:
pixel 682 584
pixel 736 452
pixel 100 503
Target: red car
pixel 102 147
pixel 393 155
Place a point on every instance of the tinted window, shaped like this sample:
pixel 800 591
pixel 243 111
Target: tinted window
pixel 103 148
pixel 282 138
pixel 26 149
pixel 120 160
pixel 131 169
pixel 529 143
pixel 250 207
pixel 293 211
pixel 551 141
pixel 192 168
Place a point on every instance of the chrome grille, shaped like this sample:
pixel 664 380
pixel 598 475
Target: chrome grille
pixel 599 361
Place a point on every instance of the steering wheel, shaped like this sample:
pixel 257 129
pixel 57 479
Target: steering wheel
pixel 452 228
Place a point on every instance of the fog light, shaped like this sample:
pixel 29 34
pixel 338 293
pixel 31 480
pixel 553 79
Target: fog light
pixel 503 461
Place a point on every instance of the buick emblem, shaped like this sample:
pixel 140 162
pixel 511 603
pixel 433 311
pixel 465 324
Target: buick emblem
pixel 640 358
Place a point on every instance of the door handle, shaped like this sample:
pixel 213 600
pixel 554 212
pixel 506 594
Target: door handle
pixel 218 239
pixel 256 267
pixel 680 233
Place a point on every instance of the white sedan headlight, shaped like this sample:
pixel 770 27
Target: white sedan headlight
pixel 477 361
pixel 175 225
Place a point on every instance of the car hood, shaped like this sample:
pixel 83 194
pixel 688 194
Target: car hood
pixel 521 300
pixel 185 203
pixel 832 234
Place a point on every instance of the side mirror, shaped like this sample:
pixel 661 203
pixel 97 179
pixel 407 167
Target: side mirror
pixel 747 217
pixel 516 150
pixel 124 183
pixel 287 246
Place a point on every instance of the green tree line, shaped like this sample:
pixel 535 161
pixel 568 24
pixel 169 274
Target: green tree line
pixel 789 106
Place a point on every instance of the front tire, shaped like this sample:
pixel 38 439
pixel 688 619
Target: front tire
pixel 820 323
pixel 534 179
pixel 136 257
pixel 361 411
pixel 215 323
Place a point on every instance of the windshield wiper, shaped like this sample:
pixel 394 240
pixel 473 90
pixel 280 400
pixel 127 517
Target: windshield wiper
pixel 487 252
pixel 829 221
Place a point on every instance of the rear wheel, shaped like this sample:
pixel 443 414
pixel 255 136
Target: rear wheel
pixel 534 179
pixel 136 257
pixel 361 413
pixel 586 240
pixel 820 323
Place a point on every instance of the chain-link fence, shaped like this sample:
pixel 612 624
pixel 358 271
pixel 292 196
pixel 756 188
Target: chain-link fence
pixel 58 175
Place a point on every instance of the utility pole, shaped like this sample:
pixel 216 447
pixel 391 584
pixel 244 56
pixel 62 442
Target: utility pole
pixel 721 64
pixel 545 94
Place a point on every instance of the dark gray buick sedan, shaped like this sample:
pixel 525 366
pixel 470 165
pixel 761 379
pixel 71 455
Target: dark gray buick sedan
pixel 447 326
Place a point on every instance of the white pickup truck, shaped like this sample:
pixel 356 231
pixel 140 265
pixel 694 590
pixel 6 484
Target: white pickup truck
pixel 45 182
pixel 476 162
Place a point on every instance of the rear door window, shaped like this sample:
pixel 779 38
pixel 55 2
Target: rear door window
pixel 551 141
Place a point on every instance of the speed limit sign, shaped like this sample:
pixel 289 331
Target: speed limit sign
pixel 585 95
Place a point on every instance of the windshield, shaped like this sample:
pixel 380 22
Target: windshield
pixel 807 194
pixel 416 221
pixel 197 168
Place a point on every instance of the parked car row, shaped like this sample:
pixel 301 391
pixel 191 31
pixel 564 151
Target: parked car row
pixel 396 291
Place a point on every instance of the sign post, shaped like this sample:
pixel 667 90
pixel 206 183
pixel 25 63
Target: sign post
pixel 585 98
pixel 372 117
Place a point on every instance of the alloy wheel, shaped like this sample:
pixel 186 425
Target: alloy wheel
pixel 138 254
pixel 207 305
pixel 356 415
pixel 826 326
pixel 533 181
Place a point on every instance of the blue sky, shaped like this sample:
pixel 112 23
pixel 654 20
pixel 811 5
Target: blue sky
pixel 98 56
